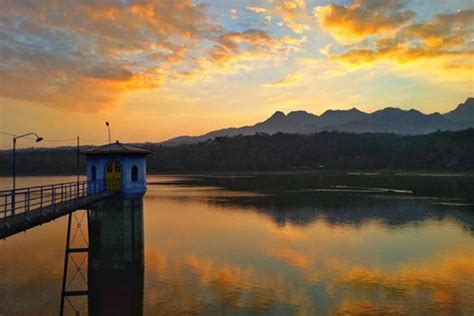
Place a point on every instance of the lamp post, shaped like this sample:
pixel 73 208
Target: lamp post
pixel 38 139
pixel 108 128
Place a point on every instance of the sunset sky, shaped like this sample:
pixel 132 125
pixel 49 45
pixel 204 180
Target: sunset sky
pixel 164 68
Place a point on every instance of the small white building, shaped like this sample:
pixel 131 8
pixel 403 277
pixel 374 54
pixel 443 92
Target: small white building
pixel 117 167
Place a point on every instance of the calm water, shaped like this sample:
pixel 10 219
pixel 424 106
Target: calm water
pixel 273 244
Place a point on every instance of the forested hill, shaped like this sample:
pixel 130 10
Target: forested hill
pixel 326 150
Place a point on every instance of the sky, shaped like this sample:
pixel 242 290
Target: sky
pixel 157 69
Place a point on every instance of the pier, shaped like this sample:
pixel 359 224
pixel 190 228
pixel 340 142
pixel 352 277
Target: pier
pixel 25 208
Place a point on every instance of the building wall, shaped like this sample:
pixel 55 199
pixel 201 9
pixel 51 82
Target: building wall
pixel 127 162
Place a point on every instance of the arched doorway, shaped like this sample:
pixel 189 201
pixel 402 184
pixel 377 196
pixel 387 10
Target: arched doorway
pixel 113 176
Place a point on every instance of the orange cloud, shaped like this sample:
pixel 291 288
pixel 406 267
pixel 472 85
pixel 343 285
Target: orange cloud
pixel 362 18
pixel 442 45
pixel 444 31
pixel 243 52
pixel 229 45
pixel 402 54
pixel 293 13
pixel 87 54
pixel 290 80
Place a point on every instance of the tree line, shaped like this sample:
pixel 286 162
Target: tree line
pixel 452 151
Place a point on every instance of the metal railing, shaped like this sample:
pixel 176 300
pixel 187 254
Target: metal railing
pixel 24 200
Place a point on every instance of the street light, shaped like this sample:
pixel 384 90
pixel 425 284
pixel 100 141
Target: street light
pixel 38 139
pixel 108 128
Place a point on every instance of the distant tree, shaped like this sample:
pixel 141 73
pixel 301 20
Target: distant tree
pixel 280 151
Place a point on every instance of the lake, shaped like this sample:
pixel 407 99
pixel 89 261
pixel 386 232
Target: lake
pixel 269 244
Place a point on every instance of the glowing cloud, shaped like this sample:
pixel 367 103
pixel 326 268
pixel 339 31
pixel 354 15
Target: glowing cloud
pixel 363 18
pixel 257 10
pixel 293 13
pixel 85 55
pixel 243 52
pixel 290 80
pixel 382 32
pixel 446 36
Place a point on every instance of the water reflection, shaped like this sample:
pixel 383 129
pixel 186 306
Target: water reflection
pixel 214 249
pixel 221 251
pixel 303 209
pixel 339 199
pixel 455 186
pixel 116 257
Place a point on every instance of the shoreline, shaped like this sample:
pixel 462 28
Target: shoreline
pixel 374 172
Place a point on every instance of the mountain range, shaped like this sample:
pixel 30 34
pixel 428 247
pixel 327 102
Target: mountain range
pixel 388 120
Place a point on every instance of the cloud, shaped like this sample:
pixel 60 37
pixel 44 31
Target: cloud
pixel 363 18
pixel 257 10
pixel 233 14
pixel 401 54
pixel 290 80
pixel 244 52
pixel 445 37
pixel 293 13
pixel 86 55
pixel 373 32
pixel 327 50
pixel 229 46
pixel 444 31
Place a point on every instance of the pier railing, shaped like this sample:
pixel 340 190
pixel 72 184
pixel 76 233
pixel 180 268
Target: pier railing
pixel 24 200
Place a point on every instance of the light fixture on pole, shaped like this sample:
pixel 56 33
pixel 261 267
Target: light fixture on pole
pixel 38 139
pixel 108 128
